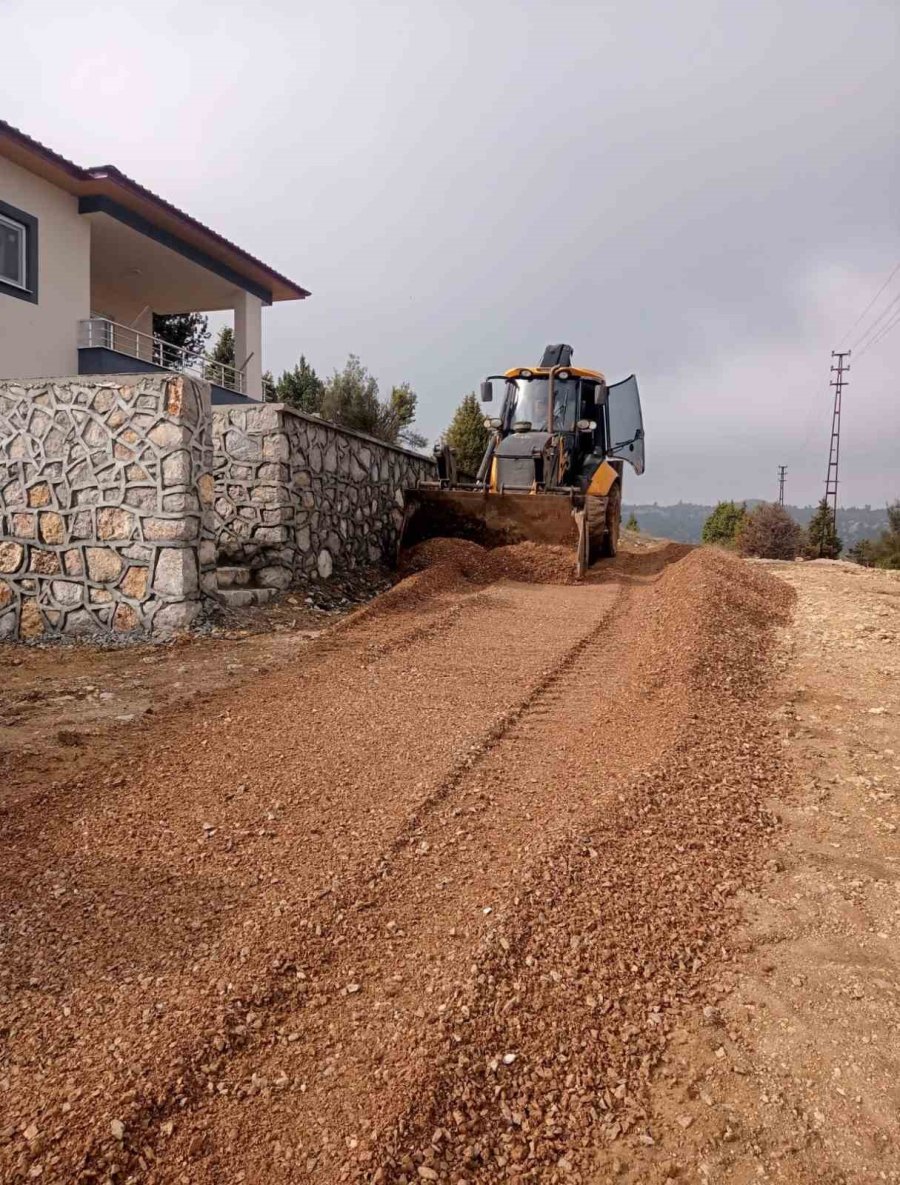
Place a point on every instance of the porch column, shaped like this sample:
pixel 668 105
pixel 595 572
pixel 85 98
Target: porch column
pixel 248 341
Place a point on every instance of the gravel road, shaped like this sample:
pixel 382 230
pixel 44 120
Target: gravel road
pixel 425 905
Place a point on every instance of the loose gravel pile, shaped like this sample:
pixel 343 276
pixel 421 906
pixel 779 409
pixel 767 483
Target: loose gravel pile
pixel 533 563
pixel 426 908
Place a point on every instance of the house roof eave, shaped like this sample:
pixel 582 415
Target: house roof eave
pixel 109 181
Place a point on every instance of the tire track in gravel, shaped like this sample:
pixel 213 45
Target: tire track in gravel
pixel 139 910
pixel 423 927
pixel 619 930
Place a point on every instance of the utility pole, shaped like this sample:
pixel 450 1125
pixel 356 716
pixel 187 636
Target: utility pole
pixel 782 473
pixel 831 477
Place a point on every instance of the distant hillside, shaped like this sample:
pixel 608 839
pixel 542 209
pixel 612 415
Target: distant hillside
pixel 684 520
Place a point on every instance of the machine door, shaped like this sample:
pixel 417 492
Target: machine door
pixel 626 424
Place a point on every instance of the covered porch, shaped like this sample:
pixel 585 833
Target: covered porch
pixel 137 270
pixel 107 347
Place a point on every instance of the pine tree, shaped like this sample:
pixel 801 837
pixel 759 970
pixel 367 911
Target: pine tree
pixel 632 524
pixel 301 388
pixel 468 436
pixel 399 414
pixel 223 350
pixel 723 524
pixel 822 537
pixel 185 331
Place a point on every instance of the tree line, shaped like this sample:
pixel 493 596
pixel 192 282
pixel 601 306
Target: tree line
pixel 350 397
pixel 769 532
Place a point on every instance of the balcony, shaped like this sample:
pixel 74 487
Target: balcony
pixel 105 347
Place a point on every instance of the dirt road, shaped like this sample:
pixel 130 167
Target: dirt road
pixel 441 900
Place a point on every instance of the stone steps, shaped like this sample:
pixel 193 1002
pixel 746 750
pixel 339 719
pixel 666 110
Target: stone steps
pixel 238 586
pixel 233 577
pixel 241 598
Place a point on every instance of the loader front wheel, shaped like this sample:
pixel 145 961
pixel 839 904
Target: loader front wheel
pixel 595 526
pixel 613 522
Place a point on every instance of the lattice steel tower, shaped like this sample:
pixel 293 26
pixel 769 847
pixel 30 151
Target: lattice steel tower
pixel 834 452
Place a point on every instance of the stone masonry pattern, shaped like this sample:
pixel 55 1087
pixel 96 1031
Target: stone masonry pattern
pixel 106 495
pixel 297 498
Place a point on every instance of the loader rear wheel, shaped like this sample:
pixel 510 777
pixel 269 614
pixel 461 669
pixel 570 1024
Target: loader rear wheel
pixel 610 543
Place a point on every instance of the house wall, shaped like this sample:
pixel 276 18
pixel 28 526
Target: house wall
pixel 297 498
pixel 105 505
pixel 41 339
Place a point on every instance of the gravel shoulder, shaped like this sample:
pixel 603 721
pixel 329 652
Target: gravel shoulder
pixel 61 704
pixel 791 1074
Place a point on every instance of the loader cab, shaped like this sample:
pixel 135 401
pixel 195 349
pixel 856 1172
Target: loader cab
pixel 557 423
pixel 528 402
pixel 527 399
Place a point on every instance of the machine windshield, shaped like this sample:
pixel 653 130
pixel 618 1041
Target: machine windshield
pixel 528 402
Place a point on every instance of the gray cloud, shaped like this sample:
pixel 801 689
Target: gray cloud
pixel 702 193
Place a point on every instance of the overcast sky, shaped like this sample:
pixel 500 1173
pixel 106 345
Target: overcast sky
pixel 705 194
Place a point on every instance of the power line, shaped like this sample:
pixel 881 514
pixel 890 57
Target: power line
pixel 885 330
pixel 782 473
pixel 872 301
pixel 874 326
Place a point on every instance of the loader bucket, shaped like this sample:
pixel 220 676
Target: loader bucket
pixel 495 519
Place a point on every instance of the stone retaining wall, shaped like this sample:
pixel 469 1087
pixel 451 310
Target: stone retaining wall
pixel 297 498
pixel 105 505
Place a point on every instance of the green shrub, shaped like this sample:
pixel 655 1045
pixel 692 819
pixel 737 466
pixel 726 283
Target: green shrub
pixel 883 552
pixel 770 533
pixel 724 523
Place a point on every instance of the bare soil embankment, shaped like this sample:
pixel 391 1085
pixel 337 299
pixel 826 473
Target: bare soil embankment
pixel 428 906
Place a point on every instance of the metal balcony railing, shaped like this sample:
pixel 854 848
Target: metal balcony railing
pixel 101 333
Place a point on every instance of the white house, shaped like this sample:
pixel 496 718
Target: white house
pixel 87 256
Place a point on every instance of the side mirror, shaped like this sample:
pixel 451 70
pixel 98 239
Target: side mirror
pixel 487 391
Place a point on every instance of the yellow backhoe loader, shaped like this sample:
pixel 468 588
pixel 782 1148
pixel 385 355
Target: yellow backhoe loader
pixel 552 470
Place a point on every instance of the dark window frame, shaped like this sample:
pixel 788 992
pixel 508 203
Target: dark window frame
pixel 30 223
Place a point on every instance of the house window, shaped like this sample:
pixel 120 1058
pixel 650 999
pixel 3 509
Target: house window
pixel 12 251
pixel 18 253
